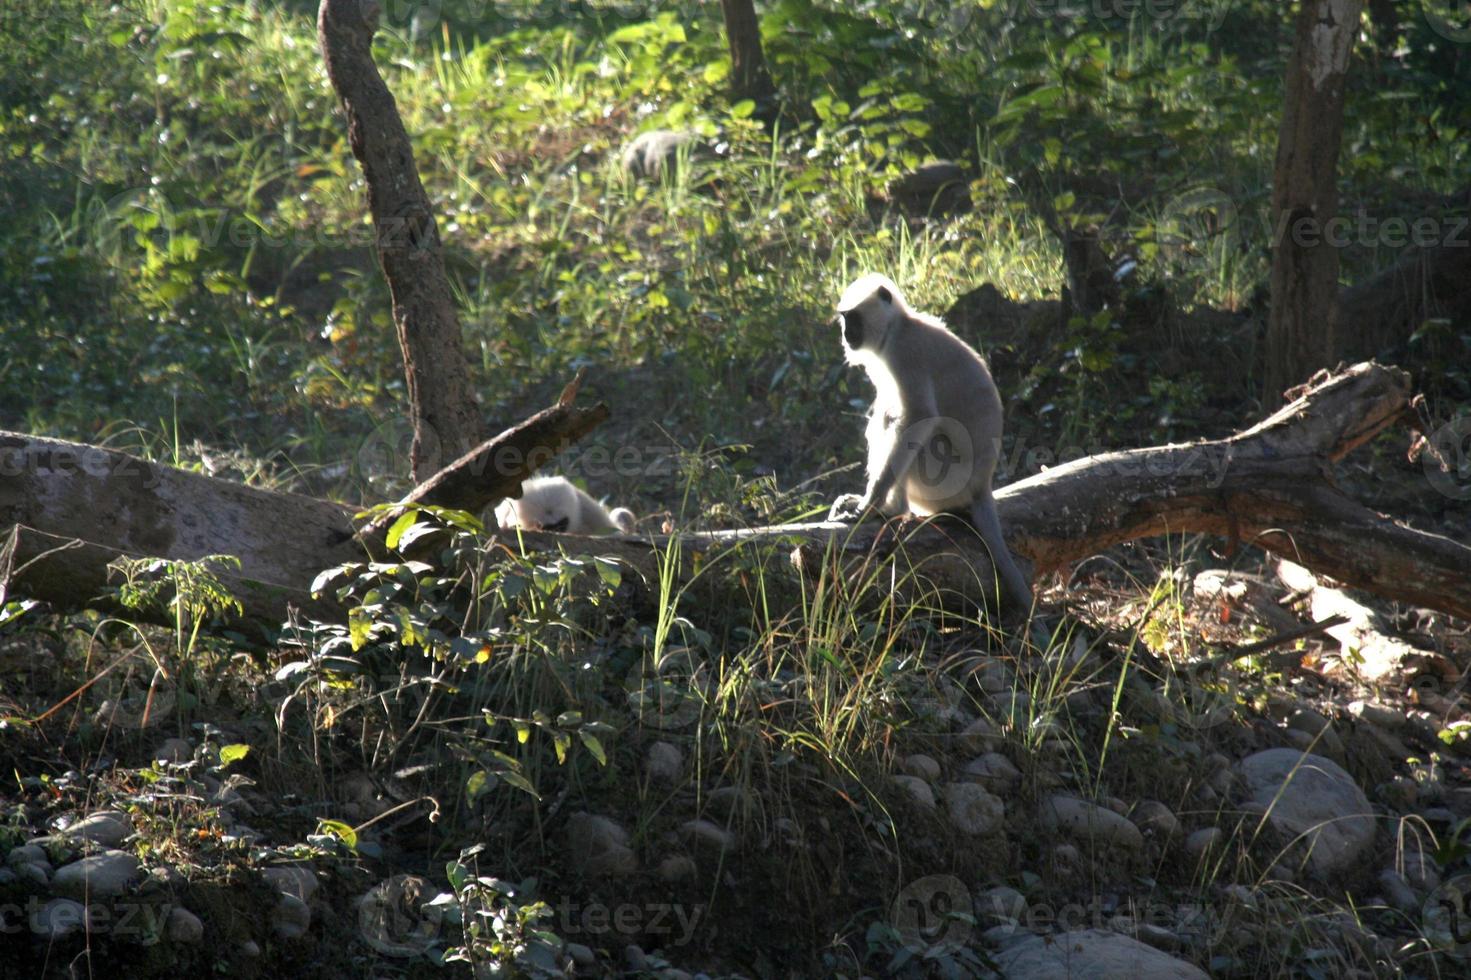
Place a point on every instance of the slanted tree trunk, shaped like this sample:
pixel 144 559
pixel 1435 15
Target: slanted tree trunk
pixel 1302 323
pixel 749 77
pixel 446 418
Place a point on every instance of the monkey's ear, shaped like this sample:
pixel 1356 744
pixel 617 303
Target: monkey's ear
pixel 885 295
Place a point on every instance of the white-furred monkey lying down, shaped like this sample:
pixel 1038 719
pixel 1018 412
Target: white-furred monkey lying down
pixel 554 503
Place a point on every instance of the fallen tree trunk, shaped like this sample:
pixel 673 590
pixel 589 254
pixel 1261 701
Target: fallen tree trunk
pixel 1269 486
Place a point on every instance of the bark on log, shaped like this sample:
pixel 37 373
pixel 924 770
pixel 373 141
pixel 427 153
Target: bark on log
pixel 1267 486
pixel 446 417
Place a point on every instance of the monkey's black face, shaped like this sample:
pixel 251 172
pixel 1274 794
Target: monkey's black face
pixel 852 322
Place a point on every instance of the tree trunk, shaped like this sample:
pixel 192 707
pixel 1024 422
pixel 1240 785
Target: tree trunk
pixel 446 418
pixel 1302 324
pixel 78 507
pixel 749 77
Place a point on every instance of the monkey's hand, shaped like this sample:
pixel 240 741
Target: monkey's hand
pixel 848 508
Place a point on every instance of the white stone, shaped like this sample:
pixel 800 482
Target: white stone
pixel 972 810
pixel 58 918
pixel 1090 822
pixel 183 926
pixel 173 750
pixel 598 846
pixel 921 767
pixel 1203 841
pixel 1089 953
pixel 1156 820
pixel 919 790
pixel 1311 799
pixel 663 762
pixel 994 771
pixel 707 837
pixel 291 917
pixel 105 875
pixel 296 880
pixel 106 827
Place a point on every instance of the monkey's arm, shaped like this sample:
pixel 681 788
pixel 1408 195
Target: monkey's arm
pixel 905 449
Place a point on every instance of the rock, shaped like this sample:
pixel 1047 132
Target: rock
pixel 993 676
pixel 1398 891
pixel 250 949
pixel 58 919
pixel 106 827
pixel 1155 820
pixel 1321 729
pixel 1012 708
pixel 1089 953
pixel 1090 822
pixel 994 771
pixel 598 846
pixel 1390 719
pixel 105 875
pixel 582 955
pixel 676 868
pixel 183 926
pixel 663 763
pixel 38 875
pixel 635 957
pixel 921 767
pixel 729 801
pixel 708 838
pixel 168 877
pixel 173 751
pixel 28 854
pixel 919 791
pixel 1066 856
pixel 296 880
pixel 8 878
pixel 940 188
pixel 1421 871
pixel 651 153
pixel 972 810
pixel 291 917
pixel 1146 932
pixel 1204 841
pixel 1312 796
pixel 979 736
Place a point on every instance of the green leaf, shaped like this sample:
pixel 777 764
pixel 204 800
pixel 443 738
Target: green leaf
pixel 743 108
pixel 233 753
pixel 405 521
pixel 594 746
pixel 340 830
pixel 480 783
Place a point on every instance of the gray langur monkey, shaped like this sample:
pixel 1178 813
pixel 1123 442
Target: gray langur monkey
pixel 554 503
pixel 934 432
